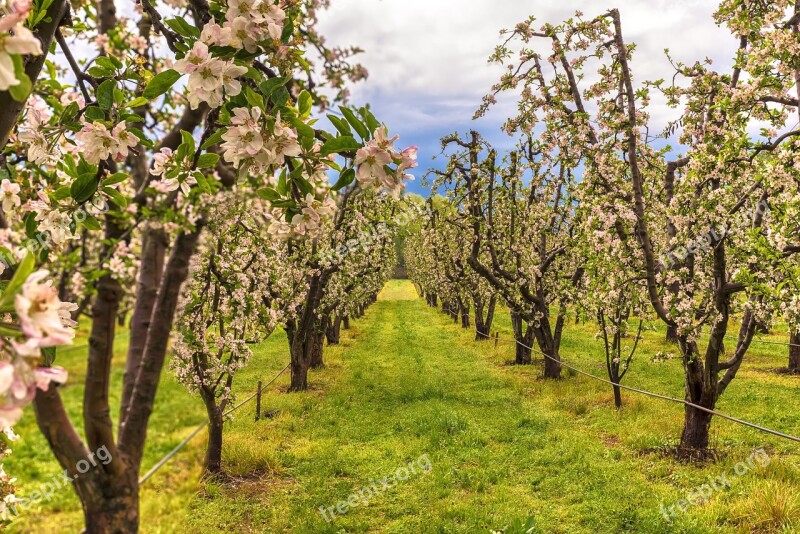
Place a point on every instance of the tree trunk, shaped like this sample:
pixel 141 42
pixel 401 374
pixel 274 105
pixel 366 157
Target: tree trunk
pixel 332 333
pixel 301 362
pixel 794 353
pixel 672 334
pixel 617 396
pixel 522 334
pixel 317 340
pixel 346 322
pixel 114 509
pixel 464 311
pixel 696 426
pixel 300 356
pixel 483 323
pixel 213 460
pixel 549 343
pixel 552 365
pixel 701 389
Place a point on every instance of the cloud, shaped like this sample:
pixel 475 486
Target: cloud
pixel 428 58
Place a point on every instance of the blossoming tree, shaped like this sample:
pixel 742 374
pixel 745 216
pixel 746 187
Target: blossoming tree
pixel 112 156
pixel 703 221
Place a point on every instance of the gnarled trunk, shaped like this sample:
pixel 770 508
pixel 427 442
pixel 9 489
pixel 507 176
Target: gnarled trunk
pixel 696 426
pixel 483 323
pixel 346 322
pixel 549 342
pixel 672 334
pixel 110 507
pixel 794 353
pixel 332 333
pixel 300 356
pixel 701 389
pixel 463 310
pixel 212 464
pixel 317 340
pixel 523 334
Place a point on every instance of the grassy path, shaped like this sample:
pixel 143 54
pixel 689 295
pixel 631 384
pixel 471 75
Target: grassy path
pixel 413 384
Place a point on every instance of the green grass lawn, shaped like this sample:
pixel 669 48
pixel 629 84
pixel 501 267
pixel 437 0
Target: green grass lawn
pixel 503 446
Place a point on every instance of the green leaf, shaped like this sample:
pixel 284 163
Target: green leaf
pixel 213 139
pixel 280 97
pixel 345 178
pixel 61 193
pixel 91 223
pixel 270 86
pixel 187 147
pixel 182 27
pixel 116 178
pixel 305 132
pixel 304 103
pixel 283 187
pixel 207 160
pixel 49 355
pixel 21 273
pixel 93 113
pixel 136 102
pixel 69 113
pixel 288 30
pixel 303 185
pixel 268 193
pixel 355 122
pixel 340 125
pixel 116 197
pixel 253 98
pixel 161 83
pixel 369 119
pixel 20 91
pixel 340 144
pixel 105 94
pixel 84 187
pixel 101 72
pixel 108 62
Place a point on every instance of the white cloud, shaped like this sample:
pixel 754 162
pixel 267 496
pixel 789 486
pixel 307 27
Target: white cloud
pixel 430 55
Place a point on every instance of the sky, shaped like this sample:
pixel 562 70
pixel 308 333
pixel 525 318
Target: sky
pixel 428 67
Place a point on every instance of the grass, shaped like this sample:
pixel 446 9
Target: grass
pixel 507 450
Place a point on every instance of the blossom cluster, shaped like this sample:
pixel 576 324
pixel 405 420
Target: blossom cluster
pixel 45 322
pixel 15 40
pixel 374 158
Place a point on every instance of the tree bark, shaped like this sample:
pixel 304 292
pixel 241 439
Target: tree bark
pixel 617 397
pixel 333 332
pixel 483 323
pixel 133 429
pixel 696 426
pixel 151 268
pixel 794 353
pixel 317 340
pixel 213 460
pixel 672 334
pixel 523 334
pixel 463 308
pixel 701 389
pixel 346 322
pixel 300 363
